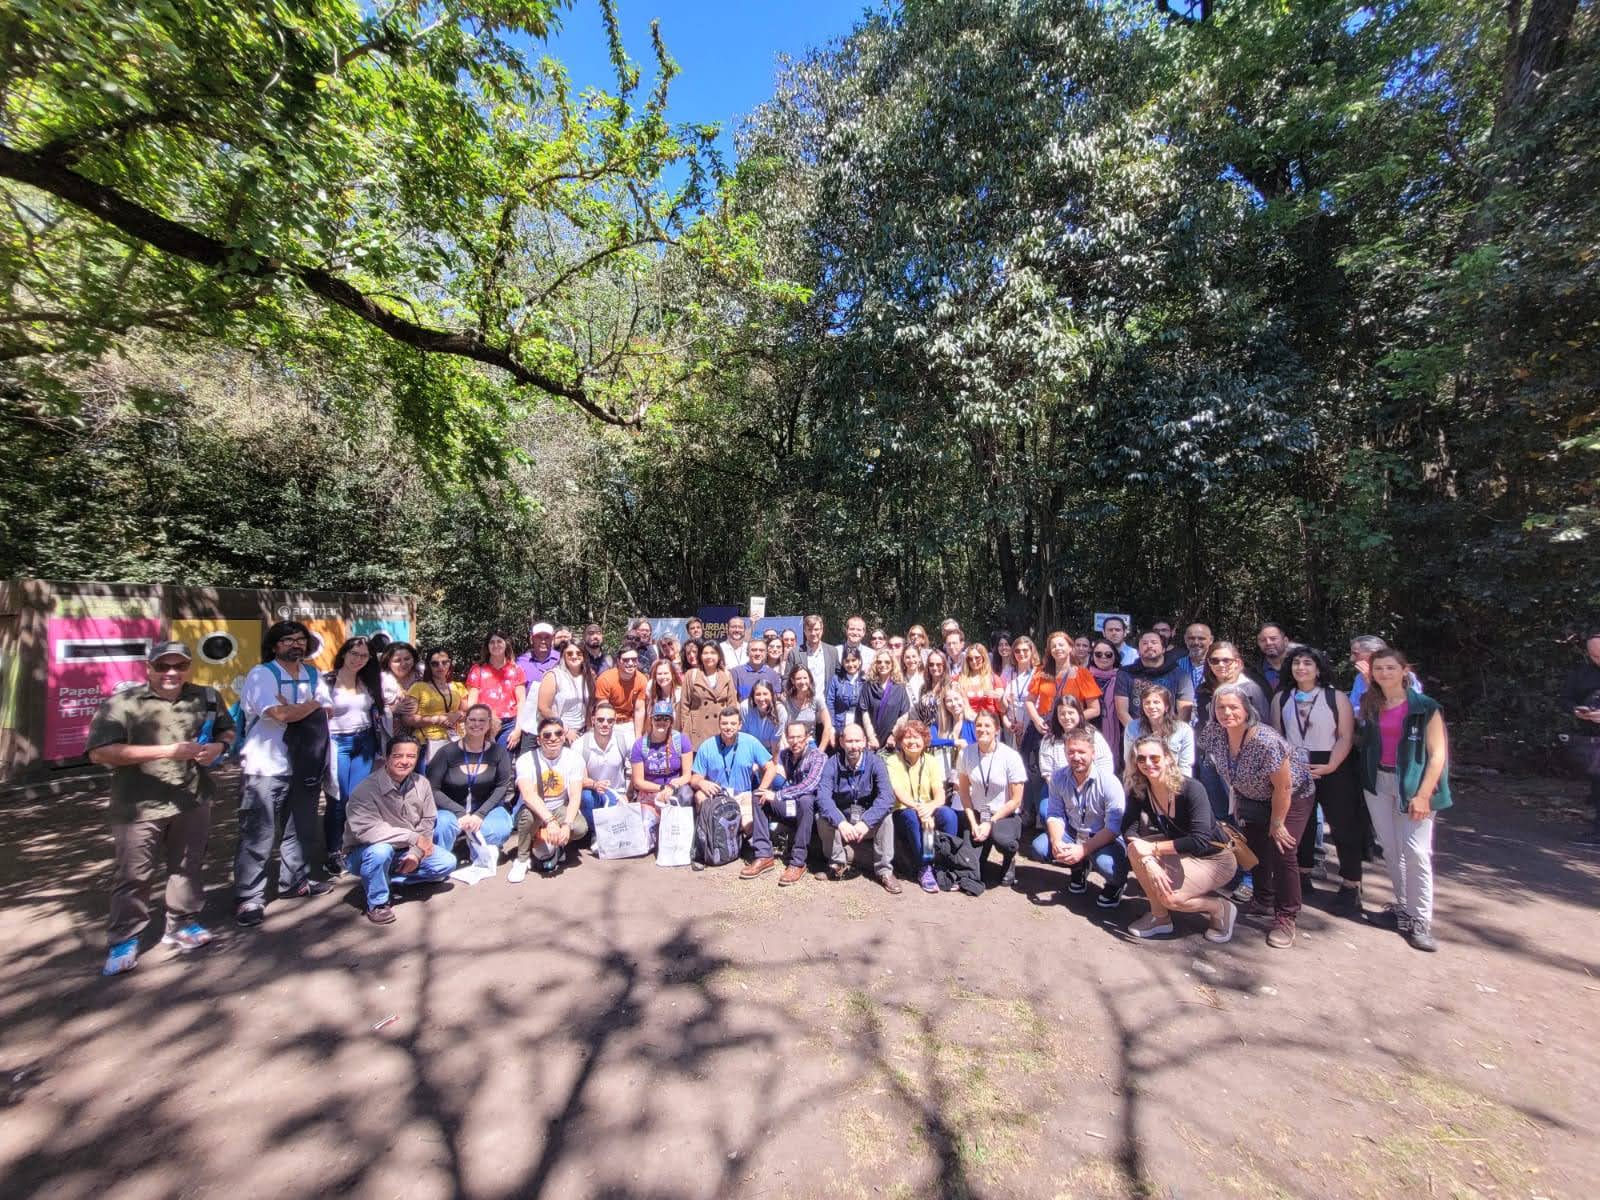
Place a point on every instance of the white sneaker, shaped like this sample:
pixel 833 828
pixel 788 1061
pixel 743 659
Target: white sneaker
pixel 518 872
pixel 1230 913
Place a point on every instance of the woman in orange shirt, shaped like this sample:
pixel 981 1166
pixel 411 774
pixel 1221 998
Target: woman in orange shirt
pixel 1060 676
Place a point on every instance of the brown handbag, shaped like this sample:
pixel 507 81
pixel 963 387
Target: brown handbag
pixel 1242 854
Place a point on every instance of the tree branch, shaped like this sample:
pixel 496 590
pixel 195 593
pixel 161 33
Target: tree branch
pixel 178 239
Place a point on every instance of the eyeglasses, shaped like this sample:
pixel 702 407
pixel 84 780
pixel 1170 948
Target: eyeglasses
pixel 1220 660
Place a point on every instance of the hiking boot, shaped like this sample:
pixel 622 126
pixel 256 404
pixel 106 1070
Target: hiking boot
pixel 1109 897
pixel 756 869
pixel 1421 936
pixel 122 957
pixel 1148 926
pixel 335 865
pixel 889 883
pixel 311 888
pixel 249 915
pixel 1258 910
pixel 837 873
pixel 518 872
pixel 1347 903
pixel 927 881
pixel 380 914
pixel 1224 932
pixel 1245 892
pixel 1077 883
pixel 791 875
pixel 1281 935
pixel 1008 877
pixel 191 936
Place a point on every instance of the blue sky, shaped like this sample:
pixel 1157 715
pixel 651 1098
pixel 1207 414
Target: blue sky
pixel 727 49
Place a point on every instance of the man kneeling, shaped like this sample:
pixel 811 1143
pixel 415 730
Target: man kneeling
pixel 1083 820
pixel 854 801
pixel 388 830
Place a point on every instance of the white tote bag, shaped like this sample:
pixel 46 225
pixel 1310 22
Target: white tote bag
pixel 676 838
pixel 621 831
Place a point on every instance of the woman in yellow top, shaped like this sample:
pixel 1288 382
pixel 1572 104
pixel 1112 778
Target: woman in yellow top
pixel 917 780
pixel 441 704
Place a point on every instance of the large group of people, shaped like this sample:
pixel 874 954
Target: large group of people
pixel 1212 782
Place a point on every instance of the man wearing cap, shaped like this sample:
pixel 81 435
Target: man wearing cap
pixel 539 658
pixel 286 704
pixel 159 739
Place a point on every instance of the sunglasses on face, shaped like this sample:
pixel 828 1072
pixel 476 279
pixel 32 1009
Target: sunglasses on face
pixel 1102 654
pixel 605 720
pixel 1150 758
pixel 552 736
pixel 168 668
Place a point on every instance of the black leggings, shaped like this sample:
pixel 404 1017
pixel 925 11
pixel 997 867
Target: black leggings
pixel 1005 835
pixel 1339 795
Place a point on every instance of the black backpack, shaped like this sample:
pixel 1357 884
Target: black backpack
pixel 717 830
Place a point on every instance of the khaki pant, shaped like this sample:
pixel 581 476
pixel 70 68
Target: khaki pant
pixel 529 825
pixel 1193 880
pixel 181 840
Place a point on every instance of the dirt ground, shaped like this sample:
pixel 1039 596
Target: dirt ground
pixel 629 1031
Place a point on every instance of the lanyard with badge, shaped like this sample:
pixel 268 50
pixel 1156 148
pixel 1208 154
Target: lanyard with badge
pixel 472 770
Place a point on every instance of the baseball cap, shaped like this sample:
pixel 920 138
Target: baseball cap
pixel 162 649
pixel 662 708
pixel 543 627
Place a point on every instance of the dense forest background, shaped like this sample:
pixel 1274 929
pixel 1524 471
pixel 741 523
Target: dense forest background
pixel 1008 310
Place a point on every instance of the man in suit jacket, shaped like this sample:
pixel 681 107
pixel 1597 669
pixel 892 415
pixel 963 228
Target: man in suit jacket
pixel 821 658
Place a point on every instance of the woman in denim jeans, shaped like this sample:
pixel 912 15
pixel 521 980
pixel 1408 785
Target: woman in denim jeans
pixel 355 737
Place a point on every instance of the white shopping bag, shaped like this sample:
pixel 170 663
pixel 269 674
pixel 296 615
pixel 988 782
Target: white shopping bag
pixel 620 831
pixel 676 836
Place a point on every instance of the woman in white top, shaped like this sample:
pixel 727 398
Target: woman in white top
pixel 1157 718
pixel 1064 718
pixel 567 692
pixel 911 672
pixel 990 780
pixel 1316 716
pixel 399 673
pixel 354 733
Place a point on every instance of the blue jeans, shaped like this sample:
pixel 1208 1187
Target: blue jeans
pixel 354 756
pixel 1111 861
pixel 909 826
pixel 495 830
pixel 375 865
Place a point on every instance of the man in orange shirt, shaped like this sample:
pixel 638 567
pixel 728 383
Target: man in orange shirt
pixel 623 684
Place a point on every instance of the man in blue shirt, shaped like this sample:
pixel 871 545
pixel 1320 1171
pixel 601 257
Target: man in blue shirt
pixel 729 761
pixel 1198 639
pixel 754 669
pixel 1083 821
pixel 854 801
